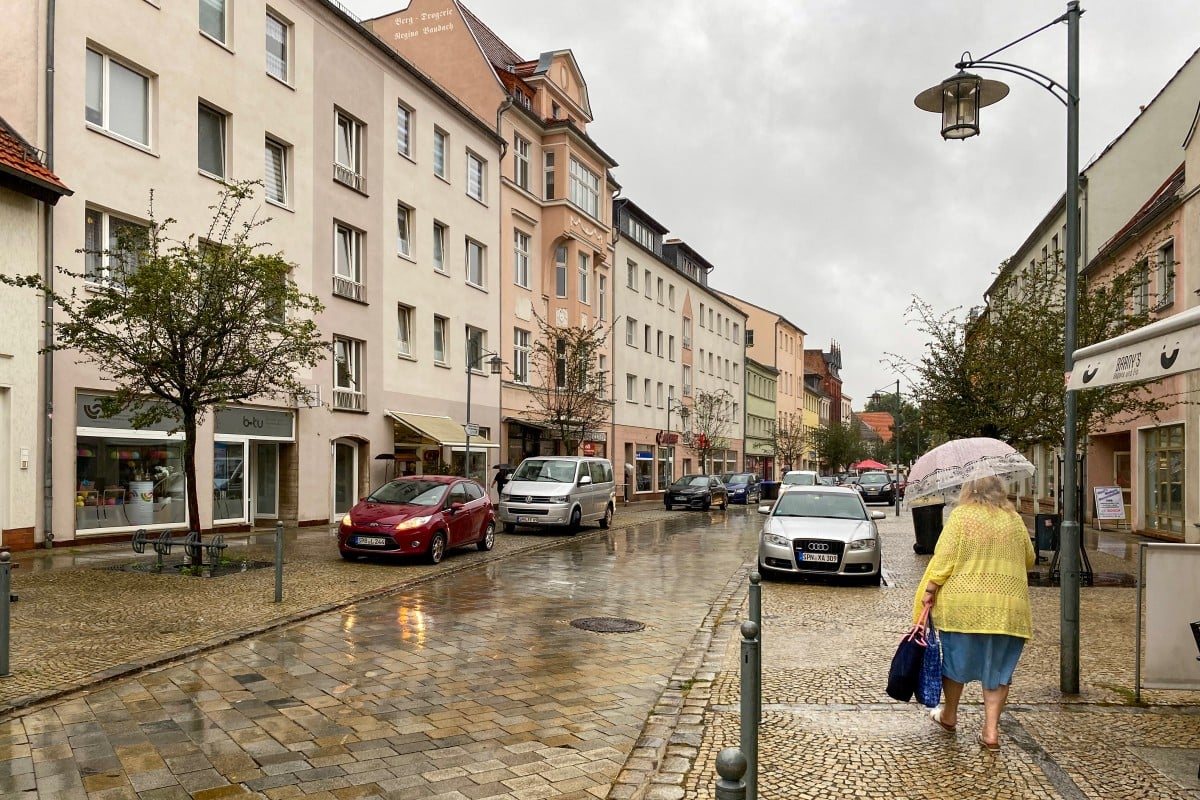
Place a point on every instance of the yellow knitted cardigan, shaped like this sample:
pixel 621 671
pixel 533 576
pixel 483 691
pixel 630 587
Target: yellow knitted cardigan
pixel 980 563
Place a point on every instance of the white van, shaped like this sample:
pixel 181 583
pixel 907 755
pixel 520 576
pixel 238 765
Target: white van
pixel 559 490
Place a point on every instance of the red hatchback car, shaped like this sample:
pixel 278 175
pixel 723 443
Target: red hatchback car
pixel 419 515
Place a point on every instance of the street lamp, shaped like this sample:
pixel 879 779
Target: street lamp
pixel 958 100
pixel 896 436
pixel 475 354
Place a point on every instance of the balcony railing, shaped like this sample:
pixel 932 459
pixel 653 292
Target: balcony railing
pixel 345 287
pixel 348 400
pixel 343 174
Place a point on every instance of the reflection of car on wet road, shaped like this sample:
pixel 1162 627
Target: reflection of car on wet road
pixel 820 530
pixel 419 516
pixel 697 491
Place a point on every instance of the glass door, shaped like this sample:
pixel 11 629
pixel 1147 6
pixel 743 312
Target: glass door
pixel 266 479
pixel 345 472
pixel 229 494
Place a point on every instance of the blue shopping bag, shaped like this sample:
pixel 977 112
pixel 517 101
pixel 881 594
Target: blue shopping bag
pixel 929 689
pixel 904 675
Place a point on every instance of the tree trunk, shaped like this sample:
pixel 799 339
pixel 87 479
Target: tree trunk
pixel 189 468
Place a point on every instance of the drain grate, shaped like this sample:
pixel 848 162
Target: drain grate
pixel 607 624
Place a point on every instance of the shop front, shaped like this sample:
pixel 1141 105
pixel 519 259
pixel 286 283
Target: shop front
pixel 125 478
pixel 430 444
pixel 250 447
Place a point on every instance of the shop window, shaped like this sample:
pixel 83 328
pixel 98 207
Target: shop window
pixel 1165 480
pixel 665 464
pixel 644 468
pixel 128 483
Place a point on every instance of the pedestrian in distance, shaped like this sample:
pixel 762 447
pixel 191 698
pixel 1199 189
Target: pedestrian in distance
pixel 977 589
pixel 500 480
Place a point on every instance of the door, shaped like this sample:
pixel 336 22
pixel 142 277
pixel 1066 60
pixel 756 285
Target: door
pixel 458 522
pixel 229 491
pixel 266 479
pixel 345 477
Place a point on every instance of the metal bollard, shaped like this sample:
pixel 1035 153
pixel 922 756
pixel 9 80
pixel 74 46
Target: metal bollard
pixel 5 602
pixel 279 562
pixel 731 766
pixel 755 602
pixel 751 705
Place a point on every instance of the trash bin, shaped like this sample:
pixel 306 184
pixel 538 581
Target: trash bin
pixel 1046 531
pixel 927 524
pixel 770 490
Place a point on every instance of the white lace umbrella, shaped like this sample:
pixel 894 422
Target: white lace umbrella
pixel 948 466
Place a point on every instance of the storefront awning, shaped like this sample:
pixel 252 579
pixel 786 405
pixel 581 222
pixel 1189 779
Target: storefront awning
pixel 1157 350
pixel 438 430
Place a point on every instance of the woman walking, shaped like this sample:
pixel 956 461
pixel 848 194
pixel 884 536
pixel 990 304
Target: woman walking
pixel 977 589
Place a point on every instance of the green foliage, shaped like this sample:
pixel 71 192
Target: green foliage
pixel 567 390
pixel 838 445
pixel 181 326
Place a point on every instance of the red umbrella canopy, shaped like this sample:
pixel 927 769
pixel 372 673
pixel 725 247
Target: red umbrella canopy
pixel 869 464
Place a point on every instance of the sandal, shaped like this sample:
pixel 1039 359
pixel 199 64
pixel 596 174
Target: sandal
pixel 936 716
pixel 991 748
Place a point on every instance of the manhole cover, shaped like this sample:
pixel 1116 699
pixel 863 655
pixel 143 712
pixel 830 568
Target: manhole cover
pixel 607 624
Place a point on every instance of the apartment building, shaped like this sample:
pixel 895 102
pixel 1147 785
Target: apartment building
pixel 27 190
pixel 816 416
pixel 555 262
pixel 379 185
pixel 761 415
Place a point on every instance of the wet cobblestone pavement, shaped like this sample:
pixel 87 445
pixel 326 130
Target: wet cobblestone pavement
pixel 467 680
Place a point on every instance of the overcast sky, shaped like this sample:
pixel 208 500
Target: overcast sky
pixel 779 139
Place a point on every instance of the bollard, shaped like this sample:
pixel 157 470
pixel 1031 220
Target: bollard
pixel 731 766
pixel 750 708
pixel 279 562
pixel 5 601
pixel 755 595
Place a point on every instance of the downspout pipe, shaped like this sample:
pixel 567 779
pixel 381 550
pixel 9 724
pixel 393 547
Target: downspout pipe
pixel 48 314
pixel 501 428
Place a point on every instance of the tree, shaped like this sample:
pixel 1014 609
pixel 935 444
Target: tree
pixel 568 394
pixel 711 424
pixel 181 327
pixel 838 445
pixel 790 440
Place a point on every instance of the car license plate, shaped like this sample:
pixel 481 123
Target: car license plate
pixel 531 520
pixel 826 557
pixel 370 541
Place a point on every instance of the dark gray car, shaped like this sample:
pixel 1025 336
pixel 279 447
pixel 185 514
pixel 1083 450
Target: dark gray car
pixel 697 491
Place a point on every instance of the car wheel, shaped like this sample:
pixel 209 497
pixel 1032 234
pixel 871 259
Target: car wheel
pixel 509 527
pixel 707 504
pixel 576 519
pixel 876 579
pixel 489 537
pixel 606 520
pixel 725 504
pixel 348 555
pixel 437 548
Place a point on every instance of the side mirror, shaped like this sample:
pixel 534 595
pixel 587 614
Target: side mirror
pixel 585 480
pixel 455 508
pixel 764 509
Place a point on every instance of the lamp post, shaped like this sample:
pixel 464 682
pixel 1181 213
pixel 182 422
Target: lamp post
pixel 474 356
pixel 958 99
pixel 896 437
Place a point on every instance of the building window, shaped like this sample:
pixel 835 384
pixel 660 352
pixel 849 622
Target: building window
pixel 439 339
pixel 659 394
pixel 671 348
pixel 475 176
pixel 404 316
pixel 602 291
pixel 521 162
pixel 275 182
pixel 439 247
pixel 1165 479
pixel 476 264
pixel 118 98
pixel 659 290
pixel 737 334
pixel 631 331
pixel 210 140
pixel 585 189
pixel 630 388
pixel 560 363
pixel 585 270
pixel 347 262
pixel 687 333
pixel 520 368
pixel 476 339
pixel 347 166
pixel 277 47
pixel 646 282
pixel 671 297
pixel 659 344
pixel 700 319
pixel 687 381
pixel 404 119
pixel 347 374
pixel 121 239
pixel 521 258
pixel 700 363
pixel 1141 288
pixel 1165 268
pixel 646 338
pixel 548 173
pixel 646 392
pixel 643 467
pixel 404 230
pixel 631 276
pixel 439 153
pixel 560 271
pixel 212 19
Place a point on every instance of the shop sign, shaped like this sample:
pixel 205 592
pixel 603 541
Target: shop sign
pixel 87 415
pixel 666 437
pixel 589 448
pixel 256 423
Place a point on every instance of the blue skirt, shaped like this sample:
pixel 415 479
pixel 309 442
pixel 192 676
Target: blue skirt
pixel 990 658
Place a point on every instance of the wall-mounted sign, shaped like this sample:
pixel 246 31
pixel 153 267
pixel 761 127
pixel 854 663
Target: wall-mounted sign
pixel 257 423
pixel 666 437
pixel 87 415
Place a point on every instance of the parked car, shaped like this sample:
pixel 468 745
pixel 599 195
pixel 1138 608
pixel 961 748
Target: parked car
pixel 419 515
pixel 799 477
pixel 820 530
pixel 877 487
pixel 743 487
pixel 697 491
pixel 559 490
pixel 826 480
